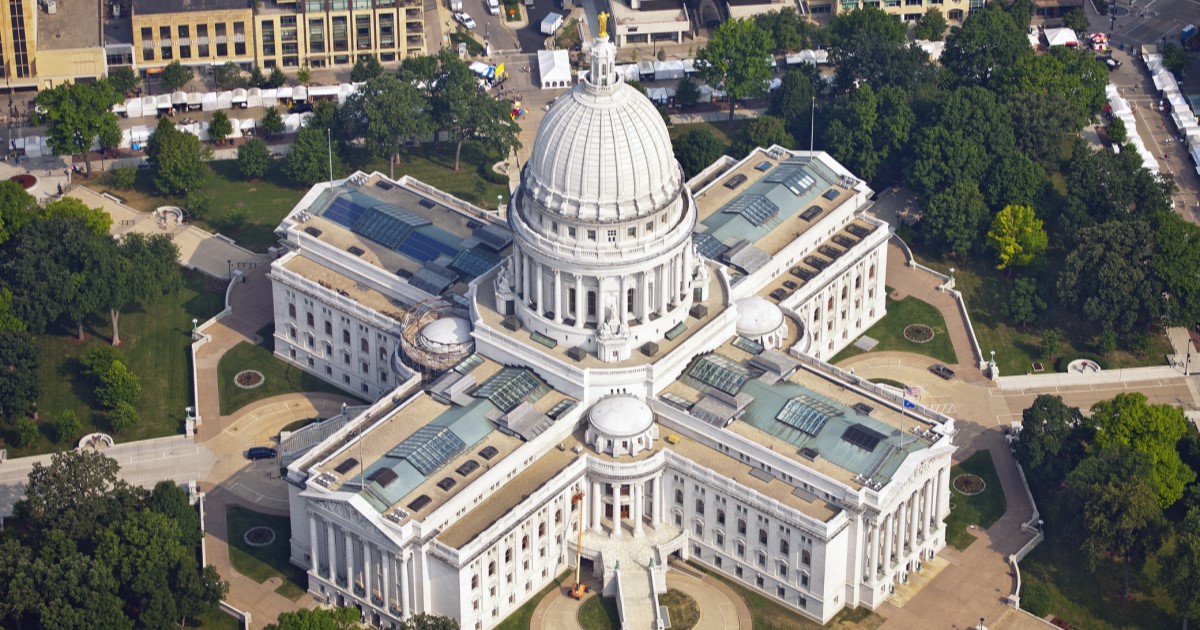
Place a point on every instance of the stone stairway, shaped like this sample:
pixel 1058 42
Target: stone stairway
pixel 636 599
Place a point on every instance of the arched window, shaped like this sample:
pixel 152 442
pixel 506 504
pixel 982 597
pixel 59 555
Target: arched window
pixel 700 507
pixel 474 581
pixel 292 311
pixel 871 273
pixel 365 346
pixel 699 529
pixel 720 516
pixel 557 517
pixel 785 547
pixel 508 555
pixel 329 328
pixel 308 318
pixel 741 526
pixel 817 315
pixel 524 543
pixel 541 529
pixel 845 292
pixel 829 305
pixel 678 496
pixel 345 336
pixel 762 536
pixel 491 568
pixel 857 282
pixel 806 557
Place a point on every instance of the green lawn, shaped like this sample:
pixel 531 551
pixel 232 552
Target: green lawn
pixel 724 130
pixel 434 165
pixel 981 510
pixel 263 563
pixel 889 331
pixel 599 613
pixel 1055 579
pixel 767 614
pixel 682 608
pixel 985 290
pixel 247 212
pixel 280 377
pixel 520 618
pixel 458 36
pixel 889 382
pixel 155 340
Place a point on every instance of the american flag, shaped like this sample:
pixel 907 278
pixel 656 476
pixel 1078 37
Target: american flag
pixel 912 392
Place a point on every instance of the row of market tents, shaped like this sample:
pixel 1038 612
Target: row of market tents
pixel 1181 111
pixel 553 66
pixel 139 107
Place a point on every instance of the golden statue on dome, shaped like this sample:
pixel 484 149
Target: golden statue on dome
pixel 603 17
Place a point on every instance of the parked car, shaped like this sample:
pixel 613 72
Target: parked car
pixel 261 452
pixel 493 6
pixel 300 108
pixel 942 371
pixel 464 18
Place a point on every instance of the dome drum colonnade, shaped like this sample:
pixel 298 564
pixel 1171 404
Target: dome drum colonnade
pixel 602 223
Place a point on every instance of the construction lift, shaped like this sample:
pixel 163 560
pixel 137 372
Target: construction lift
pixel 580 589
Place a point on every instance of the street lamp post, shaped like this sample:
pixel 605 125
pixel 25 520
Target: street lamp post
pixel 230 264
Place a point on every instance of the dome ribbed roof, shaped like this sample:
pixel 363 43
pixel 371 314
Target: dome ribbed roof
pixel 757 317
pixel 603 155
pixel 620 416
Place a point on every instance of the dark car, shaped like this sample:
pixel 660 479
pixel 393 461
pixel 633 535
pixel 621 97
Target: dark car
pixel 942 371
pixel 300 108
pixel 261 452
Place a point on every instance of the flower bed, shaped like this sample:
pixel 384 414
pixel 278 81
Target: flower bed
pixel 969 484
pixel 249 379
pixel 260 536
pixel 918 333
pixel 26 180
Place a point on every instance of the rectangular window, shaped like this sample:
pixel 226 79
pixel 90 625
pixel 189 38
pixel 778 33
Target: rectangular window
pixel 222 41
pixel 239 39
pixel 341 37
pixel 185 42
pixel 148 44
pixel 612 236
pixel 268 38
pixel 316 36
pixel 314 6
pixel 362 32
pixel 164 42
pixel 201 40
pixel 387 32
pixel 591 235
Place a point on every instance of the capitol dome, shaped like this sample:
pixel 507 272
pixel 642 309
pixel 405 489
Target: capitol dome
pixel 621 425
pixel 603 156
pixel 446 331
pixel 761 321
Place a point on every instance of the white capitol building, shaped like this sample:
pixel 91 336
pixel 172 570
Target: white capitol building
pixel 629 352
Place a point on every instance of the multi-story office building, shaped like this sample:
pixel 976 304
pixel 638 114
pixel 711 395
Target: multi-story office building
pixel 43 44
pixel 323 33
pixel 193 33
pixel 629 370
pixel 908 10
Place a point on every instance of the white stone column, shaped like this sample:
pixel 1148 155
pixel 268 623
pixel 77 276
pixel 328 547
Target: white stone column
pixel 927 515
pixel 405 601
pixel 942 504
pixel 887 544
pixel 526 294
pixel 314 561
pixel 914 517
pixel 622 299
pixel 331 561
pixel 540 270
pixel 874 553
pixel 558 317
pixel 597 506
pixel 902 529
pixel 367 569
pixel 656 502
pixel 349 563
pixel 580 302
pixel 385 562
pixel 617 533
pixel 636 495
pixel 664 289
pixel 643 309
pixel 535 563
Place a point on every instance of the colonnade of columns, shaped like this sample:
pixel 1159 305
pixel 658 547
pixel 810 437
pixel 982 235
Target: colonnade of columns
pixel 901 530
pixel 383 574
pixel 639 295
pixel 637 502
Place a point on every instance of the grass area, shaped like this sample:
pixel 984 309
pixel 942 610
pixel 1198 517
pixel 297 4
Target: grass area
pixel 767 614
pixel 986 289
pixel 459 36
pixel 724 130
pixel 568 35
pixel 155 340
pixel 280 377
pixel 520 618
pixel 889 382
pixel 1055 579
pixel 889 331
pixel 263 563
pixel 215 619
pixel 682 608
pixel 298 424
pixel 599 613
pixel 247 212
pixel 982 509
pixel 434 165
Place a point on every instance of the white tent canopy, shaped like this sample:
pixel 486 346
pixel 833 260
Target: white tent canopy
pixel 554 69
pixel 300 93
pixel 209 102
pixel 270 97
pixel 240 96
pixel 195 100
pixel 254 97
pixel 1061 37
pixel 178 99
pixel 133 108
pixel 163 101
pixel 668 70
pixel 224 100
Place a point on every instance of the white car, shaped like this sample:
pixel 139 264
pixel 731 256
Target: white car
pixel 493 6
pixel 465 19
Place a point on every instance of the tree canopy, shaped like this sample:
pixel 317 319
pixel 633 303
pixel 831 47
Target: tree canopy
pixel 696 149
pixel 391 114
pixel 988 41
pixel 176 159
pixel 219 127
pixel 307 160
pixel 763 131
pixel 75 115
pixel 932 26
pixel 1050 443
pixel 19 361
pixel 462 111
pixel 1151 430
pixel 737 58
pixel 253 158
pixel 175 76
pixel 1017 236
pixel 1107 276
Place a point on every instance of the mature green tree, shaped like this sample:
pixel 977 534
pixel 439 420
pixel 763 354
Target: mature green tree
pixel 763 131
pixel 307 160
pixel 304 75
pixel 850 133
pixel 365 69
pixel 1024 302
pixel 418 69
pixel 1051 441
pixel 19 384
pixel 426 621
pixel 870 46
pixel 96 361
pixel 228 76
pixel 1175 59
pixel 253 158
pixel 9 322
pixel 1181 568
pixel 327 115
pixel 789 32
pixel 1103 186
pixel 462 111
pixel 393 113
pixel 277 78
pixel 175 76
pixel 794 102
pixel 17 209
pixel 176 160
pixel 69 494
pixel 27 432
pixel 256 77
pixel 66 426
pixel 109 137
pixel 123 177
pixel 124 80
pixel 123 418
pixel 1175 259
pixel 1050 343
pixel 74 115
pixel 1076 20
pixel 96 273
pixel 1107 276
pixel 97 220
pixel 988 42
pixel 696 149
pixel 119 385
pixel 1117 134
pixel 932 26
pixel 979 116
pixel 345 618
pixel 1018 236
pixel 953 219
pixel 1013 179
pixel 1152 430
pixel 272 122
pixel 1112 497
pixel 1038 124
pixel 687 93
pixel 737 58
pixel 1022 12
pixel 146 268
pixel 219 127
pixel 1075 77
pixel 942 158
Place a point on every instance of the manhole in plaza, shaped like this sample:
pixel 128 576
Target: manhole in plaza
pixel 1118 11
